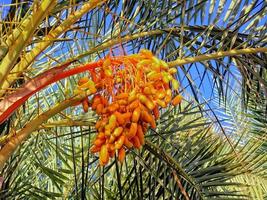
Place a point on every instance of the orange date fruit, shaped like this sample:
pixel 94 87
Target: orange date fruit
pixel 177 100
pixel 103 155
pixel 136 114
pixel 121 155
pixel 119 142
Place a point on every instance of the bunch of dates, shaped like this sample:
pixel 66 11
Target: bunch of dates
pixel 128 93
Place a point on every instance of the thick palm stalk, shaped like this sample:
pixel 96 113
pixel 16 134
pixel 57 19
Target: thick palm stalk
pixel 20 40
pixel 46 41
pixel 220 54
pixel 13 101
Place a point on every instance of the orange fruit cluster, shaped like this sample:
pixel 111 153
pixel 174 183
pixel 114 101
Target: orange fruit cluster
pixel 131 90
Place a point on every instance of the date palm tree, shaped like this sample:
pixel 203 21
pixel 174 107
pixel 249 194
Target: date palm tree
pixel 212 146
